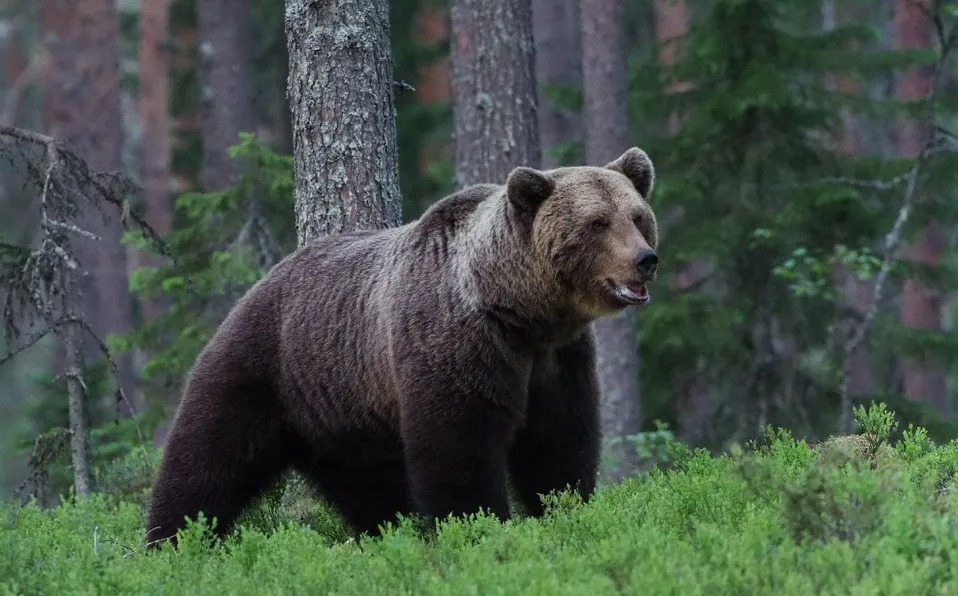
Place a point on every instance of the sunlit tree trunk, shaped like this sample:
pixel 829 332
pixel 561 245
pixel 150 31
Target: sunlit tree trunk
pixel 344 118
pixel 607 136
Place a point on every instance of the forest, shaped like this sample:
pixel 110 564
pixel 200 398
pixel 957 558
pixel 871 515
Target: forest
pixel 783 416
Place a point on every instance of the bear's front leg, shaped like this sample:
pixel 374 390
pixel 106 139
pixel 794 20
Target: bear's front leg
pixel 559 445
pixel 456 449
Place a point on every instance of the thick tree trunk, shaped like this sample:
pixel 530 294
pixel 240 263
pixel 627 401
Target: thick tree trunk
pixel 344 118
pixel 154 121
pixel 920 306
pixel 225 29
pixel 607 136
pixel 494 89
pixel 555 27
pixel 82 109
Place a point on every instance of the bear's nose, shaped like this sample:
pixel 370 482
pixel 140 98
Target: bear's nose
pixel 647 262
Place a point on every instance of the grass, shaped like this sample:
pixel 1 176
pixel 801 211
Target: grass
pixel 855 515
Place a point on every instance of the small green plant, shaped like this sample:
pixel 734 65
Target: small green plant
pixel 877 422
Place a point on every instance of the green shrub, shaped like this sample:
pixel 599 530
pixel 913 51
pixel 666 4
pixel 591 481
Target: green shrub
pixel 851 515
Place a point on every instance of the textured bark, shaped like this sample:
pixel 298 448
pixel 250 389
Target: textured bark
pixel 225 29
pixel 344 118
pixel 920 306
pixel 606 133
pixel 494 89
pixel 82 108
pixel 555 27
pixel 154 120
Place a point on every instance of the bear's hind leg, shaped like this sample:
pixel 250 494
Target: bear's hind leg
pixel 366 496
pixel 227 446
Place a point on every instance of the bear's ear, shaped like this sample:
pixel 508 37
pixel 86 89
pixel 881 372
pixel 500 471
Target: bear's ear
pixel 637 167
pixel 527 188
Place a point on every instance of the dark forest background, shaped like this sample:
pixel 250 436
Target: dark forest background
pixel 806 155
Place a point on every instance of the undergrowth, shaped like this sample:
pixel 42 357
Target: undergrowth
pixel 861 514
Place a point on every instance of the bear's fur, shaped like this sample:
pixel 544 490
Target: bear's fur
pixel 415 369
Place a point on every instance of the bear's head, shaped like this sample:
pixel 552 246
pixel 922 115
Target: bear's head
pixel 593 229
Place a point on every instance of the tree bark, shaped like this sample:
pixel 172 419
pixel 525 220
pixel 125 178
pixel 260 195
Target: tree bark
pixel 920 306
pixel 82 109
pixel 607 136
pixel 494 89
pixel 79 417
pixel 344 119
pixel 555 27
pixel 225 29
pixel 154 120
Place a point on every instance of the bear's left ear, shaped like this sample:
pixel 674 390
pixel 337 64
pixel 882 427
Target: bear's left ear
pixel 527 188
pixel 637 167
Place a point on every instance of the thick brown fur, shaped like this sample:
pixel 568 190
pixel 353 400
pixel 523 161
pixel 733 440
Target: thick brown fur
pixel 422 368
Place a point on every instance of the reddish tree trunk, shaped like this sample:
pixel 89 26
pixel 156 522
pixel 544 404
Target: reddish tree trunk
pixel 856 292
pixel 607 136
pixel 434 84
pixel 920 306
pixel 555 27
pixel 82 108
pixel 154 120
pixel 226 78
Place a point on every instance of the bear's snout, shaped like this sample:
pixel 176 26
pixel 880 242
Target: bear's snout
pixel 647 262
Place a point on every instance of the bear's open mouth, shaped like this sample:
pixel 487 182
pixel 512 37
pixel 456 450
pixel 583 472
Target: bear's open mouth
pixel 631 293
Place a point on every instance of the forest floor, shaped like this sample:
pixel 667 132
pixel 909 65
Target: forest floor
pixel 863 514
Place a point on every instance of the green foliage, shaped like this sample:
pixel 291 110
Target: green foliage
pixel 225 242
pixel 763 217
pixel 776 517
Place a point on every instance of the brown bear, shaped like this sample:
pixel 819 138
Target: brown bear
pixel 421 369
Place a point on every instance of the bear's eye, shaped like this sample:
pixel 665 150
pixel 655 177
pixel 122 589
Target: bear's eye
pixel 599 224
pixel 638 221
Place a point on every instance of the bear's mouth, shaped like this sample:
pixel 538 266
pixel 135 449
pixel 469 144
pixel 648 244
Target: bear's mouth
pixel 631 293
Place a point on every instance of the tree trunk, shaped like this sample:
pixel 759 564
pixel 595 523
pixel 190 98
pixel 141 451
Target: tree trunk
pixel 555 27
pixel 920 306
pixel 344 119
pixel 433 84
pixel 79 417
pixel 693 403
pixel 82 109
pixel 494 89
pixel 607 136
pixel 225 29
pixel 154 121
pixel 856 292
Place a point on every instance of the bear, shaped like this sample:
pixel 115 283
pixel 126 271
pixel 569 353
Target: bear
pixel 430 369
